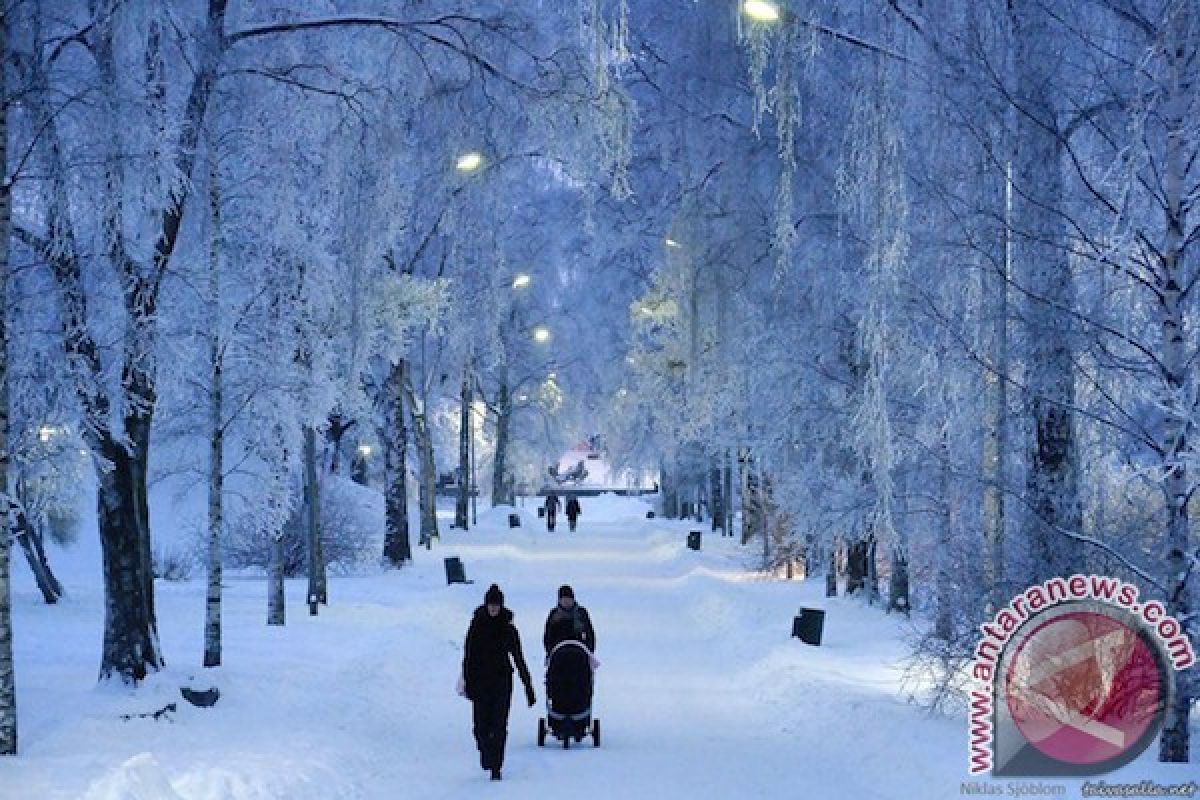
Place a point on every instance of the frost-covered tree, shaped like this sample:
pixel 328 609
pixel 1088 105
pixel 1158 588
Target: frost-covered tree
pixel 8 697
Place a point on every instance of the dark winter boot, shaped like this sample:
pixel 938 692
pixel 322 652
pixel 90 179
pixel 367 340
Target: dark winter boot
pixel 496 774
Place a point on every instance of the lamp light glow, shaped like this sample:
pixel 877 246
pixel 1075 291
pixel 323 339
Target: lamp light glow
pixel 761 10
pixel 469 162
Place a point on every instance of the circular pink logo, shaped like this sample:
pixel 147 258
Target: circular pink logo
pixel 1085 688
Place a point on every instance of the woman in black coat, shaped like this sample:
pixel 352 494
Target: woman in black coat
pixel 493 646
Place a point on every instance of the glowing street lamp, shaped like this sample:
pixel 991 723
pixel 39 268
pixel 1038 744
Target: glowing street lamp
pixel 46 433
pixel 521 281
pixel 761 10
pixel 364 450
pixel 672 243
pixel 469 162
pixel 541 334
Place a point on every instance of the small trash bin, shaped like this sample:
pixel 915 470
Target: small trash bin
pixel 693 541
pixel 808 625
pixel 514 520
pixel 454 571
pixel 649 515
pixel 541 512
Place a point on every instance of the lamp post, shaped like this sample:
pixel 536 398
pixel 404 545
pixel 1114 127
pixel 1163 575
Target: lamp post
pixel 541 334
pixel 474 487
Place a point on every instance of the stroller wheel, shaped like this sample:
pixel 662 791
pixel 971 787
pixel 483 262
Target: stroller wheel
pixel 596 732
pixel 541 732
pixel 566 742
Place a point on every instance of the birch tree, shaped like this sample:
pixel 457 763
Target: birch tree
pixel 8 694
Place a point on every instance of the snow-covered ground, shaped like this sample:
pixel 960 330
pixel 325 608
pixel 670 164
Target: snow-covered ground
pixel 701 692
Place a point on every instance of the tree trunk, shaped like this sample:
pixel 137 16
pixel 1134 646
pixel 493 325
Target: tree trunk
pixel 872 570
pixel 502 489
pixel 396 547
pixel 427 483
pixel 898 589
pixel 752 500
pixel 462 500
pixel 1045 271
pixel 276 597
pixel 216 433
pixel 717 497
pixel 312 503
pixel 995 414
pixel 856 566
pixel 427 490
pixel 944 592
pixel 1175 366
pixel 131 647
pixel 727 494
pixel 670 497
pixel 338 428
pixel 8 690
pixel 764 514
pixel 30 539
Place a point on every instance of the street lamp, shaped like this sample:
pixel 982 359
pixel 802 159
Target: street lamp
pixel 672 243
pixel 541 334
pixel 364 450
pixel 521 281
pixel 761 10
pixel 469 162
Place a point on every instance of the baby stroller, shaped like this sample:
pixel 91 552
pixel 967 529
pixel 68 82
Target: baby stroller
pixel 569 696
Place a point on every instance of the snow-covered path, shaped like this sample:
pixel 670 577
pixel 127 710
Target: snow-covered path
pixel 701 693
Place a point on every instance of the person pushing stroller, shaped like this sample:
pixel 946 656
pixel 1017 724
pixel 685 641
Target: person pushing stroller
pixel 568 621
pixel 570 642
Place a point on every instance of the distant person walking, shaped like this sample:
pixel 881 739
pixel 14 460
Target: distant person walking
pixel 493 646
pixel 551 511
pixel 572 511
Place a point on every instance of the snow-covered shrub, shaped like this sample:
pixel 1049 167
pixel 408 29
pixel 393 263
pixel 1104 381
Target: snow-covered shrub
pixel 173 563
pixel 351 532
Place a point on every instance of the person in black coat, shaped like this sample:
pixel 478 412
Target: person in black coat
pixel 551 510
pixel 568 620
pixel 572 511
pixel 493 645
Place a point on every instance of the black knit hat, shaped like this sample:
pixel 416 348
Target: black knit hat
pixel 566 591
pixel 493 596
